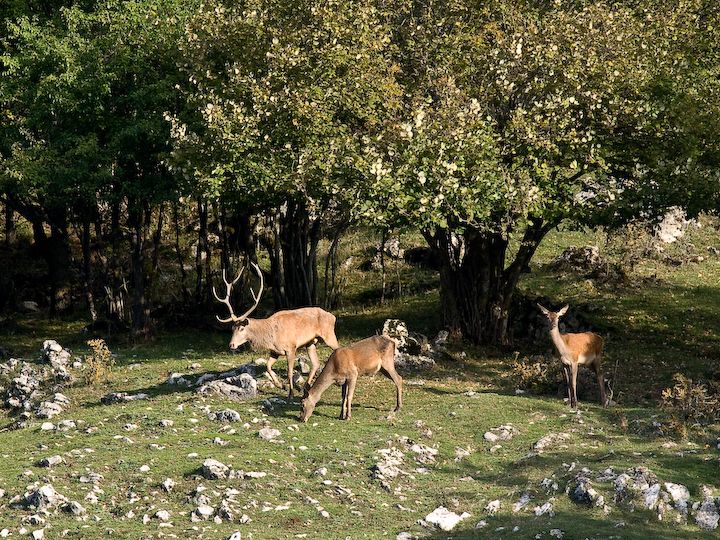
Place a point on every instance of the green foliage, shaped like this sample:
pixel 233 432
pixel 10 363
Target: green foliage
pixel 99 363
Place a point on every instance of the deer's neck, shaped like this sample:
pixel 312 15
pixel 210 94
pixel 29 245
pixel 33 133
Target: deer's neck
pixel 261 335
pixel 558 341
pixel 324 380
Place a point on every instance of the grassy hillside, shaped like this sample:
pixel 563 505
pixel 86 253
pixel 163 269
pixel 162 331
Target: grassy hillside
pixel 662 320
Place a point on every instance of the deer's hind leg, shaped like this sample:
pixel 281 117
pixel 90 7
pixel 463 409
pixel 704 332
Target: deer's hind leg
pixel 601 381
pixel 390 373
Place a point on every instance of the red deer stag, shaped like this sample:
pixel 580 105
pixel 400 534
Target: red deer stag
pixel 282 333
pixel 365 357
pixel 576 350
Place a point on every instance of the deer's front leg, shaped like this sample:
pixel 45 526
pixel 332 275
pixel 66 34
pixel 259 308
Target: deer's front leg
pixel 273 376
pixel 574 372
pixel 291 368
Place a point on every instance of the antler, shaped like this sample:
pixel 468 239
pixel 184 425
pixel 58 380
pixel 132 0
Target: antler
pixel 226 300
pixel 257 296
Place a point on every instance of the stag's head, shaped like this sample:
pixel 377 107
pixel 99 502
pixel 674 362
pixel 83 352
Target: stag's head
pixel 553 316
pixel 241 323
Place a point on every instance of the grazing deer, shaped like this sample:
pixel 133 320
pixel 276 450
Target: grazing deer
pixel 575 350
pixel 282 333
pixel 365 357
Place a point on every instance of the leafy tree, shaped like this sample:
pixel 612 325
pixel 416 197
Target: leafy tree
pixel 284 90
pixel 84 95
pixel 521 116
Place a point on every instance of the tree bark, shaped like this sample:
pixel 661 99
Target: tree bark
pixel 10 234
pixel 140 309
pixel 476 288
pixel 87 271
pixel 299 235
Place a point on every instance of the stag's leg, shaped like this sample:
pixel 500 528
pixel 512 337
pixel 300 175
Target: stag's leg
pixel 291 367
pixel 314 365
pixel 352 379
pixel 391 374
pixel 273 376
pixel 574 372
pixel 601 382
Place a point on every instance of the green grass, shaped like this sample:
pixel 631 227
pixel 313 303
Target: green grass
pixel 652 332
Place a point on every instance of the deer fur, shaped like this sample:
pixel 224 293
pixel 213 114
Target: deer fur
pixel 346 364
pixel 581 349
pixel 283 333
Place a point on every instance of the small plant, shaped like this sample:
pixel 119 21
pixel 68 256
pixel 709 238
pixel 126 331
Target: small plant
pixel 536 374
pixel 99 364
pixel 690 403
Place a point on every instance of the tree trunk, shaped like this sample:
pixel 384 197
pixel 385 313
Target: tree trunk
pixel 202 248
pixel 87 270
pixel 299 235
pixel 180 258
pixel 9 226
pixel 476 288
pixel 140 308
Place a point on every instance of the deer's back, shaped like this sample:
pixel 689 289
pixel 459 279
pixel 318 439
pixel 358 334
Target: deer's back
pixel 365 355
pixel 299 327
pixel 585 346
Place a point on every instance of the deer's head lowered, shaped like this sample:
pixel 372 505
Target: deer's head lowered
pixel 240 324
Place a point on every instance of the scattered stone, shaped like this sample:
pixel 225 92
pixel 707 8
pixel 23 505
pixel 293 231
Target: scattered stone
pixel 202 513
pixel 214 470
pixel 75 508
pixel 168 484
pixel 177 379
pixel 55 355
pixel 680 496
pixel 225 415
pixel 47 426
pixel 673 225
pixel 50 461
pixel 122 397
pixel 268 433
pixel 444 518
pixel 546 508
pixel 637 484
pixel 388 467
pixel 551 439
pixel 500 433
pixel 43 497
pixel 582 492
pixel 166 423
pixel 492 507
pixel 521 503
pixel 163 515
pixel 708 514
pixel 424 454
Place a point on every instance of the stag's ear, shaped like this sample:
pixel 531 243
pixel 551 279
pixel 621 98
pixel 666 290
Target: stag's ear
pixel 563 311
pixel 545 311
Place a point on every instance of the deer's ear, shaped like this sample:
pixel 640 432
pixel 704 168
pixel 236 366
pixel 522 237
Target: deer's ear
pixel 563 311
pixel 545 311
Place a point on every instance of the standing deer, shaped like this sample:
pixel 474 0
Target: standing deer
pixel 365 357
pixel 585 348
pixel 282 333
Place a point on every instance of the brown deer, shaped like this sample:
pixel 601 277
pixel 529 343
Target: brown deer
pixel 282 334
pixel 583 349
pixel 365 357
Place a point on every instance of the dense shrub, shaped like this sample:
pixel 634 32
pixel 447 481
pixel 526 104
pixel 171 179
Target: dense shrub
pixel 99 363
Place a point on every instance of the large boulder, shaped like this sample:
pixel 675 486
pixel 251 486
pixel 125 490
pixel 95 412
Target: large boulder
pixel 239 388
